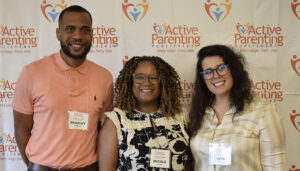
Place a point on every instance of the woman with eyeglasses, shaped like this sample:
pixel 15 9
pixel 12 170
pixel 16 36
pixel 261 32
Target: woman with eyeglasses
pixel 230 128
pixel 146 129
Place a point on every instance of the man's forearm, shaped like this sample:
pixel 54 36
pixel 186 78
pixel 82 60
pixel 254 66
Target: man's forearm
pixel 23 125
pixel 22 139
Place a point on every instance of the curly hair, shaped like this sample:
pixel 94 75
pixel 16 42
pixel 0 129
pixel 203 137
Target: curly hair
pixel 240 92
pixel 171 90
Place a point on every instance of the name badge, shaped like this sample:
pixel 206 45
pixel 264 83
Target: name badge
pixel 78 120
pixel 160 158
pixel 219 154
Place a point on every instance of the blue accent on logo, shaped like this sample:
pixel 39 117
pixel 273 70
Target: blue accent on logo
pixel 243 30
pixel 135 14
pixel 1 139
pixel 218 14
pixel 53 15
pixel 159 30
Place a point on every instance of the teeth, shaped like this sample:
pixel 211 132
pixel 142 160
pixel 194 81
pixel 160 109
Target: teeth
pixel 76 46
pixel 146 91
pixel 218 84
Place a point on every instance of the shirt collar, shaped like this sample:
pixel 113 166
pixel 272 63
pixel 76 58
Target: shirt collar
pixel 158 111
pixel 211 111
pixel 63 66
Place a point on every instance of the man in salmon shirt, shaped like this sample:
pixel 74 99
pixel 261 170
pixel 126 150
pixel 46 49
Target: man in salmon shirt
pixel 60 99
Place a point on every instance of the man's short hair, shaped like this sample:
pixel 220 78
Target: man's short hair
pixel 73 8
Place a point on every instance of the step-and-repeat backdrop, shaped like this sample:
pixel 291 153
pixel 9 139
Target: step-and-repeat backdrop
pixel 267 32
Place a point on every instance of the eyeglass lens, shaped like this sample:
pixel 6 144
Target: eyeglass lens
pixel 141 78
pixel 220 70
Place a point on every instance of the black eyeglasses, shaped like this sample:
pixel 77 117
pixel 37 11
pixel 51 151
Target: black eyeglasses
pixel 209 73
pixel 141 78
pixel 71 29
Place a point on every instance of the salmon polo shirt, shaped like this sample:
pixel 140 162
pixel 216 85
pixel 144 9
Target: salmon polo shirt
pixel 47 89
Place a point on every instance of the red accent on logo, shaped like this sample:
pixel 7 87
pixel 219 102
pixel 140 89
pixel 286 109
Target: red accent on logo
pixel 125 59
pixel 294 64
pixel 294 6
pixel 293 119
pixel 293 168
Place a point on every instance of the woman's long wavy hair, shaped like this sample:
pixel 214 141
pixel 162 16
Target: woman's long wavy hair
pixel 170 89
pixel 240 92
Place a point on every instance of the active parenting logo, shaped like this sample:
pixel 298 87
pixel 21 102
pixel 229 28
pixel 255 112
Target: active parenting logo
pixel 8 147
pixel 104 38
pixel 295 8
pixel 179 38
pixel 270 90
pixel 295 63
pixel 217 11
pixel 135 10
pixel 17 39
pixel 263 36
pixel 7 89
pixel 295 119
pixel 51 11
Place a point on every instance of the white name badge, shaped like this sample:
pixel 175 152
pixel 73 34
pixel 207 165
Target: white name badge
pixel 219 154
pixel 78 120
pixel 160 158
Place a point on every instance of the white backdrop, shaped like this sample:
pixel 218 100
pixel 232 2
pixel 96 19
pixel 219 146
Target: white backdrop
pixel 267 32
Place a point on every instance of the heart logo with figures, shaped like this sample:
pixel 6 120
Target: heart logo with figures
pixel 217 11
pixel 3 138
pixel 295 63
pixel 295 119
pixel 135 12
pixel 2 29
pixel 243 29
pixel 2 84
pixel 159 29
pixel 52 11
pixel 295 5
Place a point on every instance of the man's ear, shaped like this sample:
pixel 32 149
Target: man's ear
pixel 57 34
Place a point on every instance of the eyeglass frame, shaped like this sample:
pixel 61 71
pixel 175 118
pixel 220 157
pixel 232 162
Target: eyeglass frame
pixel 83 30
pixel 213 71
pixel 148 77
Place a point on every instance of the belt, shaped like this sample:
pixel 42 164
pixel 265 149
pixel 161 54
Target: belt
pixel 37 167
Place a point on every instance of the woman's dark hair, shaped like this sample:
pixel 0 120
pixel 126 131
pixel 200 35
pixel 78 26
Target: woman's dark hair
pixel 170 89
pixel 240 92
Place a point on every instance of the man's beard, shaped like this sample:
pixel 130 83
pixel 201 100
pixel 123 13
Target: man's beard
pixel 69 54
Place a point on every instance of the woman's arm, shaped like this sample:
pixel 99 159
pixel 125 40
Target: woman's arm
pixel 108 146
pixel 272 140
pixel 189 163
